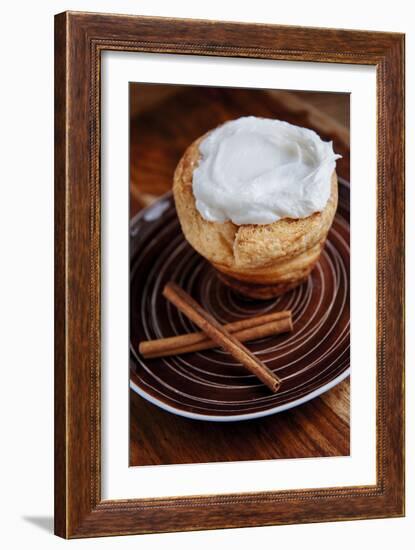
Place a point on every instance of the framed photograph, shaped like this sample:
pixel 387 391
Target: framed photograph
pixel 229 275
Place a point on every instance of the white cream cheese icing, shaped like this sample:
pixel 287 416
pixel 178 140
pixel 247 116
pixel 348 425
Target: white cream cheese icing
pixel 258 170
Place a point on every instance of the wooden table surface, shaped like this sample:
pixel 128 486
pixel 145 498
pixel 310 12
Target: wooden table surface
pixel 164 121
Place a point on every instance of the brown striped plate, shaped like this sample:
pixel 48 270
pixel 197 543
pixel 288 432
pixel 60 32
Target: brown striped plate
pixel 211 385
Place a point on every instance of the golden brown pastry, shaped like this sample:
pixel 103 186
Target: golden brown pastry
pixel 259 261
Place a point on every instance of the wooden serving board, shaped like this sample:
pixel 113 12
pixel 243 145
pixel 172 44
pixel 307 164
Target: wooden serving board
pixel 160 131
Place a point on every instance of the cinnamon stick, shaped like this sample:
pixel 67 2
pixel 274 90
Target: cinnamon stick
pixel 216 332
pixel 245 330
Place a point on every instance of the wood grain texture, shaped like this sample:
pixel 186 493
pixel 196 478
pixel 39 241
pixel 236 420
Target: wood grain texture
pixel 60 387
pixel 80 38
pixel 316 429
pixel 163 119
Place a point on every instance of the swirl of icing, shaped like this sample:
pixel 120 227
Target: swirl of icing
pixel 258 170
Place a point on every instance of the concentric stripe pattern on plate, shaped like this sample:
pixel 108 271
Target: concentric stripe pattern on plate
pixel 210 383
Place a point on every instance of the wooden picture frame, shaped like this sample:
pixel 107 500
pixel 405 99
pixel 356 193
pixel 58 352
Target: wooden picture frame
pixel 79 40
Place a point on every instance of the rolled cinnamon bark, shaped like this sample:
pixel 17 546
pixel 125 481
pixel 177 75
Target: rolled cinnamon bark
pixel 216 332
pixel 245 330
